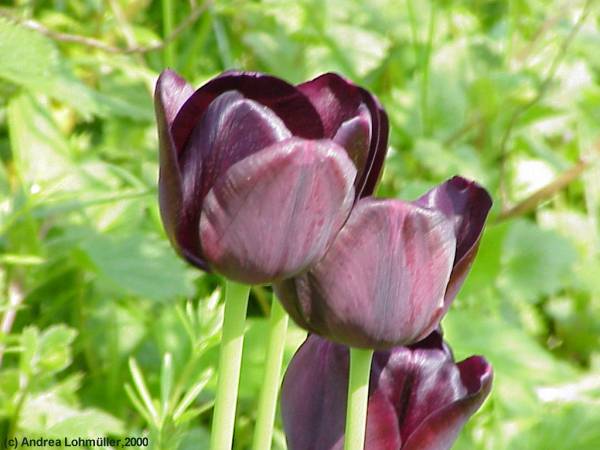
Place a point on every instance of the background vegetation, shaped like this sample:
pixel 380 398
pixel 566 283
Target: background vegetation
pixel 105 332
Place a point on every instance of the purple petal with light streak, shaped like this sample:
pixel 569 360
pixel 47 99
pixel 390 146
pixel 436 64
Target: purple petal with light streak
pixel 275 213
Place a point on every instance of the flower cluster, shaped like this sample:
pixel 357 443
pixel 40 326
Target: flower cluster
pixel 266 182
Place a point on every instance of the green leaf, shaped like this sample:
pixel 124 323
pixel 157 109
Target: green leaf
pixel 55 348
pixel 50 416
pixel 29 65
pixel 564 427
pixel 535 261
pixel 142 389
pixel 40 151
pixel 253 359
pixel 192 393
pixel 445 162
pixel 37 66
pixel 278 53
pixel 90 423
pixel 480 282
pixel 166 384
pixel 360 49
pixel 47 352
pixel 520 364
pixel 140 264
pixel 195 439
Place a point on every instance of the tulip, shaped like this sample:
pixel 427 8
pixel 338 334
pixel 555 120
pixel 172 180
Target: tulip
pixel 257 176
pixel 393 269
pixel 419 398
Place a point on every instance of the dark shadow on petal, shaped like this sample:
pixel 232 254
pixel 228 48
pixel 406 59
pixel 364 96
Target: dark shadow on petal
pixel 377 149
pixel 287 102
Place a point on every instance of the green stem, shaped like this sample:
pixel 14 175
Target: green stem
pixel 425 75
pixel 413 30
pixel 169 48
pixel 263 433
pixel 230 360
pixel 358 395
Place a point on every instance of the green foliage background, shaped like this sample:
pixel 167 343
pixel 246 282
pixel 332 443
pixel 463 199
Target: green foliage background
pixel 105 332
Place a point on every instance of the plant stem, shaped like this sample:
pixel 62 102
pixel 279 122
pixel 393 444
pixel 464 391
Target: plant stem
pixel 169 49
pixel 230 360
pixel 263 433
pixel 358 395
pixel 426 125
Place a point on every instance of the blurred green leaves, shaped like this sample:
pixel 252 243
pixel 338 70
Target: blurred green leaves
pixel 536 262
pixel 143 265
pixel 38 66
pixel 45 353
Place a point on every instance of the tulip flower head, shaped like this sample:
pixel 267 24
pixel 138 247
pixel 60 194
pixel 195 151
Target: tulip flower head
pixel 419 398
pixel 257 176
pixel 393 269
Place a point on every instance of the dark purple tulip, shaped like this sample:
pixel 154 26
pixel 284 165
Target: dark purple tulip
pixel 256 175
pixel 419 398
pixel 393 269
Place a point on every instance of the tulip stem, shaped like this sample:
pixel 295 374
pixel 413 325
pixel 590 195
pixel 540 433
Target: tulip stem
pixel 278 324
pixel 358 395
pixel 230 360
pixel 168 11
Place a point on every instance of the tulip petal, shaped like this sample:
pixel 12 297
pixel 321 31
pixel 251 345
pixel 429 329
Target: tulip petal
pixel 439 430
pixel 287 102
pixel 171 92
pixel 355 136
pixel 419 398
pixel 378 148
pixel 426 371
pixel 338 101
pixel 313 396
pixel 382 282
pixel 276 212
pixel 231 129
pixel 335 99
pixel 467 204
pixel 382 432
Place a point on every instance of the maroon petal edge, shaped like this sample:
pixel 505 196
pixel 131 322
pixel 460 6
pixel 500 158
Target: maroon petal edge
pixel 440 429
pixel 467 204
pixel 296 111
pixel 170 94
pixel 337 100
